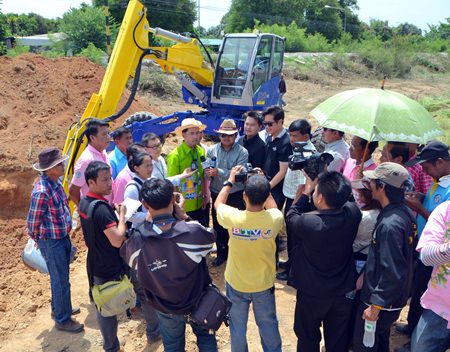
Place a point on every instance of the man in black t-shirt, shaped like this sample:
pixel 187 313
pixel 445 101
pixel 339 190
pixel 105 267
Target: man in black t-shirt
pixel 104 233
pixel 251 140
pixel 278 149
pixel 323 269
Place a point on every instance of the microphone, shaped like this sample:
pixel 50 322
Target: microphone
pixel 205 163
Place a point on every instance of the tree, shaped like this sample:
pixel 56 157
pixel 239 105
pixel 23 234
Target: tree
pixel 440 32
pixel 83 26
pixel 408 29
pixel 174 15
pixel 381 29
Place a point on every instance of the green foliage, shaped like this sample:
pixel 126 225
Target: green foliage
pixel 174 15
pixel 296 37
pixel 439 107
pixel 92 53
pixel 18 50
pixel 442 31
pixel 84 26
pixel 30 24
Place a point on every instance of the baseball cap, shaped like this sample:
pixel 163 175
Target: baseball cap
pixel 391 173
pixel 433 150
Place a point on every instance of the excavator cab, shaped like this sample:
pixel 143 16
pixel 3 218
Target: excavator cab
pixel 248 71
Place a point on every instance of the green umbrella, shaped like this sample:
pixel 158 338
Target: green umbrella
pixel 377 114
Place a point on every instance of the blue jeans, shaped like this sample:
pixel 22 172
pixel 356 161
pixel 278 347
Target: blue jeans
pixel 172 327
pixel 265 316
pixel 431 333
pixel 57 256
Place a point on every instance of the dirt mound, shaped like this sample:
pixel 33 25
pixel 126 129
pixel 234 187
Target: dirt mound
pixel 39 99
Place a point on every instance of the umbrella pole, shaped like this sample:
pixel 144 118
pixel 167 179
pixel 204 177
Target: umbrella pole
pixel 361 167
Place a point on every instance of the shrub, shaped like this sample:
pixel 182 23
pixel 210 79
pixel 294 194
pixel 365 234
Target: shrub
pixel 94 54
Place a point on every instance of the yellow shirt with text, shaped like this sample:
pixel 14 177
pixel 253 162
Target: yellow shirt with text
pixel 251 254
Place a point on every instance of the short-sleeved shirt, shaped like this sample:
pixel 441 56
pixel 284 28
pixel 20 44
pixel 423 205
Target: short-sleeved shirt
pixel 88 155
pixel 340 151
pixel 180 159
pixel 422 181
pixel 277 150
pixel 256 150
pixel 437 232
pixel 117 160
pixel 251 264
pixel 103 257
pixel 120 183
pixel 438 193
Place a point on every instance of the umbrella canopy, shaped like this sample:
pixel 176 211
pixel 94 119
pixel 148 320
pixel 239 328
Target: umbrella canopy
pixel 377 114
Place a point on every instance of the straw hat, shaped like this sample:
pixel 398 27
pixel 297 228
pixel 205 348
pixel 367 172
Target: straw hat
pixel 228 126
pixel 189 123
pixel 48 158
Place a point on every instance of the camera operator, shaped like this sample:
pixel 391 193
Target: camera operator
pixel 323 269
pixel 299 131
pixel 227 154
pixel 250 270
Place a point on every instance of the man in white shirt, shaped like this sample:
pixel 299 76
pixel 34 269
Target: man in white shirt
pixel 337 147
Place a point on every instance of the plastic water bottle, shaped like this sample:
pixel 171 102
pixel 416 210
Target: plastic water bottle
pixel 369 333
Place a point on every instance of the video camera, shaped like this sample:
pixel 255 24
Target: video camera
pixel 247 171
pixel 308 160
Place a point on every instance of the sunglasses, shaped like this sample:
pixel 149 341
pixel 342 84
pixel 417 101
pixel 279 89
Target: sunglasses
pixel 270 124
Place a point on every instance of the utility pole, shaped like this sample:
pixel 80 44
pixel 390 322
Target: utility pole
pixel 339 9
pixel 198 12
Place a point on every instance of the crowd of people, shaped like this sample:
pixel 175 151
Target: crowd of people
pixel 363 236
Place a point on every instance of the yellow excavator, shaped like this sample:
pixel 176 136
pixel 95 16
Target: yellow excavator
pixel 244 77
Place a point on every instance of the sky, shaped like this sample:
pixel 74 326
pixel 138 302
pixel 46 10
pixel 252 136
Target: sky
pixel 418 12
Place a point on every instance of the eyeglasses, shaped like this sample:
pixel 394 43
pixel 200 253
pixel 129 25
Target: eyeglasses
pixel 270 123
pixel 156 146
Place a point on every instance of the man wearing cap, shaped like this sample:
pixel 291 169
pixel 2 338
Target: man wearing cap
pixel 435 161
pixel 49 225
pixel 388 270
pixel 97 134
pixel 228 154
pixel 188 155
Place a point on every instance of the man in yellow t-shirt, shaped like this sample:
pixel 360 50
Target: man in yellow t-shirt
pixel 250 270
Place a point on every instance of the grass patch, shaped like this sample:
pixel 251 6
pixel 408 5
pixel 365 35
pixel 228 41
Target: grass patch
pixel 439 107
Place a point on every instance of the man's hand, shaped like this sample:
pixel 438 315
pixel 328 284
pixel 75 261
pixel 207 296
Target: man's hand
pixel 187 173
pixel 211 171
pixel 414 201
pixel 121 210
pixel 371 313
pixel 179 199
pixel 310 185
pixel 234 171
pixel 178 207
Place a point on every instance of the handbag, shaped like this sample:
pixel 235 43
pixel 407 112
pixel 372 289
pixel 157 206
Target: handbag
pixel 211 309
pixel 114 297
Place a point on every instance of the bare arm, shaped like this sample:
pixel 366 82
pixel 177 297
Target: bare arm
pixel 279 176
pixel 225 191
pixel 116 234
pixel 74 194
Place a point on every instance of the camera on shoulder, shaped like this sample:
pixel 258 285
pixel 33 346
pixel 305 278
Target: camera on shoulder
pixel 311 162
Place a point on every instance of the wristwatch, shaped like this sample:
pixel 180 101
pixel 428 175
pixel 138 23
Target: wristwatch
pixel 227 183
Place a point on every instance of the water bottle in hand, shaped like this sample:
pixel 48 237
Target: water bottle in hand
pixel 369 333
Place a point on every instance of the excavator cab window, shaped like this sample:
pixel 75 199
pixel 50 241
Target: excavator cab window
pixel 277 62
pixel 233 67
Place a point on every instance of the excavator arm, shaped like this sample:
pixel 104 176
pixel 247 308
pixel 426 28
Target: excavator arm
pixel 131 46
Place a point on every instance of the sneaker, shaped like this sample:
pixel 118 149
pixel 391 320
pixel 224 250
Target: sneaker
pixel 282 264
pixel 75 311
pixel 283 275
pixel 70 326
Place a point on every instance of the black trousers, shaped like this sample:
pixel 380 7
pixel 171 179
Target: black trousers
pixel 382 332
pixel 290 236
pixel 333 312
pixel 422 275
pixel 199 215
pixel 234 200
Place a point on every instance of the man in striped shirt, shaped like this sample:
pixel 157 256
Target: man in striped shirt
pixel 49 224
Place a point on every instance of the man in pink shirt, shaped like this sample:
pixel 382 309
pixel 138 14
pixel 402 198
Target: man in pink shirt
pixel 352 167
pixel 432 333
pixel 97 134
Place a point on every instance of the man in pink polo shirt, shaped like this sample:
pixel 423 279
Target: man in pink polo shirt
pixel 97 134
pixel 432 333
pixel 352 166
